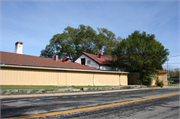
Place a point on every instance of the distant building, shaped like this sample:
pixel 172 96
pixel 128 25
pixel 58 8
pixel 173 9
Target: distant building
pixel 175 79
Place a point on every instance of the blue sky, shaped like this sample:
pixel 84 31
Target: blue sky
pixel 35 22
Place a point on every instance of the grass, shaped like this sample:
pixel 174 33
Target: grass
pixel 80 87
pixel 7 87
pixel 173 84
pixel 153 86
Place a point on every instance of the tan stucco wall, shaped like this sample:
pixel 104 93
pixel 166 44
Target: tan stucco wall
pixel 132 78
pixel 18 76
pixel 30 76
pixel 79 78
pixel 106 79
pixel 123 79
pixel 62 78
pixel 163 77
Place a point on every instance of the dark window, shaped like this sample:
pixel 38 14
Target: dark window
pixel 83 61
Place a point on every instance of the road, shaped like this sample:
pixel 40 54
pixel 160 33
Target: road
pixel 102 105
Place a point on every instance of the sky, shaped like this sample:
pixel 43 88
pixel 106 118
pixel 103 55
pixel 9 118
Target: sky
pixel 34 22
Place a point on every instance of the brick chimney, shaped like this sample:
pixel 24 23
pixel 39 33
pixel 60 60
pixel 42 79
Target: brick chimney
pixel 100 54
pixel 18 47
pixel 56 57
pixel 65 59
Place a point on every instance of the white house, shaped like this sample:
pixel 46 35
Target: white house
pixel 99 61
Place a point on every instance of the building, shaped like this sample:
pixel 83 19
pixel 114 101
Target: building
pixel 102 62
pixel 175 80
pixel 20 69
pixel 99 61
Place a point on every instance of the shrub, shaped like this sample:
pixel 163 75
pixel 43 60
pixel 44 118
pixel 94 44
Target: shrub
pixel 160 83
pixel 146 78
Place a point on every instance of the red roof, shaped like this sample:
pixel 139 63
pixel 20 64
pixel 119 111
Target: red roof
pixel 104 60
pixel 27 60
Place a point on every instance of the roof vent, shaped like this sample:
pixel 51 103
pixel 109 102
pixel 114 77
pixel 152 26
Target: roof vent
pixel 100 54
pixel 18 47
pixel 65 59
pixel 56 57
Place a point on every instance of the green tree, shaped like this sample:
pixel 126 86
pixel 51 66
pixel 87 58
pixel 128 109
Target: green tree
pixel 174 73
pixel 140 52
pixel 74 41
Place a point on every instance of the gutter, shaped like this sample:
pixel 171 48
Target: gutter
pixel 62 69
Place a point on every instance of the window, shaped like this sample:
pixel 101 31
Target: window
pixel 83 61
pixel 89 62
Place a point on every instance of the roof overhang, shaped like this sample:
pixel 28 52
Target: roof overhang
pixel 62 69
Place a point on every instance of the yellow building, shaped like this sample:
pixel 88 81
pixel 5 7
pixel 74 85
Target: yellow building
pixel 19 69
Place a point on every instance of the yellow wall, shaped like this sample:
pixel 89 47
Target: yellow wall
pixel 79 78
pixel 30 76
pixel 18 76
pixel 106 79
pixel 163 77
pixel 123 80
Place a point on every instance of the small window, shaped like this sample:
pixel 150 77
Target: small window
pixel 89 62
pixel 83 61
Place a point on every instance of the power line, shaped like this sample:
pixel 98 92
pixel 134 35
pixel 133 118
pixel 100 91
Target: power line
pixel 173 59
pixel 174 56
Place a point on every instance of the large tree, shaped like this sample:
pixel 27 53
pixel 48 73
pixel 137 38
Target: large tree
pixel 140 52
pixel 73 41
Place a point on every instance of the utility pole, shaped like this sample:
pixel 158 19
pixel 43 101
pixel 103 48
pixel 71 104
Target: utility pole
pixel 168 66
pixel 168 70
pixel 168 73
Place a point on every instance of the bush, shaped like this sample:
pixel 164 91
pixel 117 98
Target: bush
pixel 160 83
pixel 146 78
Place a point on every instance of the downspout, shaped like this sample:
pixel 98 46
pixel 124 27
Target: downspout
pixel 119 79
pixel 66 78
pixel 93 79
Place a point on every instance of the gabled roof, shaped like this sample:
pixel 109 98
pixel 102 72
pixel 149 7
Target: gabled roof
pixel 104 60
pixel 27 60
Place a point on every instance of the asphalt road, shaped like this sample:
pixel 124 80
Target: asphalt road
pixel 56 107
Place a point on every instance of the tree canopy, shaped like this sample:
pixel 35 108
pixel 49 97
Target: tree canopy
pixel 174 73
pixel 74 41
pixel 140 52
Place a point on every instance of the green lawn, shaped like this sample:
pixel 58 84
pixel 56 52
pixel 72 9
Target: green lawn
pixel 80 87
pixel 173 84
pixel 6 87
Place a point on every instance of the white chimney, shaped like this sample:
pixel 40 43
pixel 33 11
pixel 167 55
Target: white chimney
pixel 18 47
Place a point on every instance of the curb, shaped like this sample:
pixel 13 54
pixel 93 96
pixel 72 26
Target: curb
pixel 65 90
pixel 81 93
pixel 37 91
pixel 64 94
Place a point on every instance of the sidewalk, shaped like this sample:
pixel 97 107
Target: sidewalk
pixel 78 93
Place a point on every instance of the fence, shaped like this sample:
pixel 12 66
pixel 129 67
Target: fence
pixel 18 75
